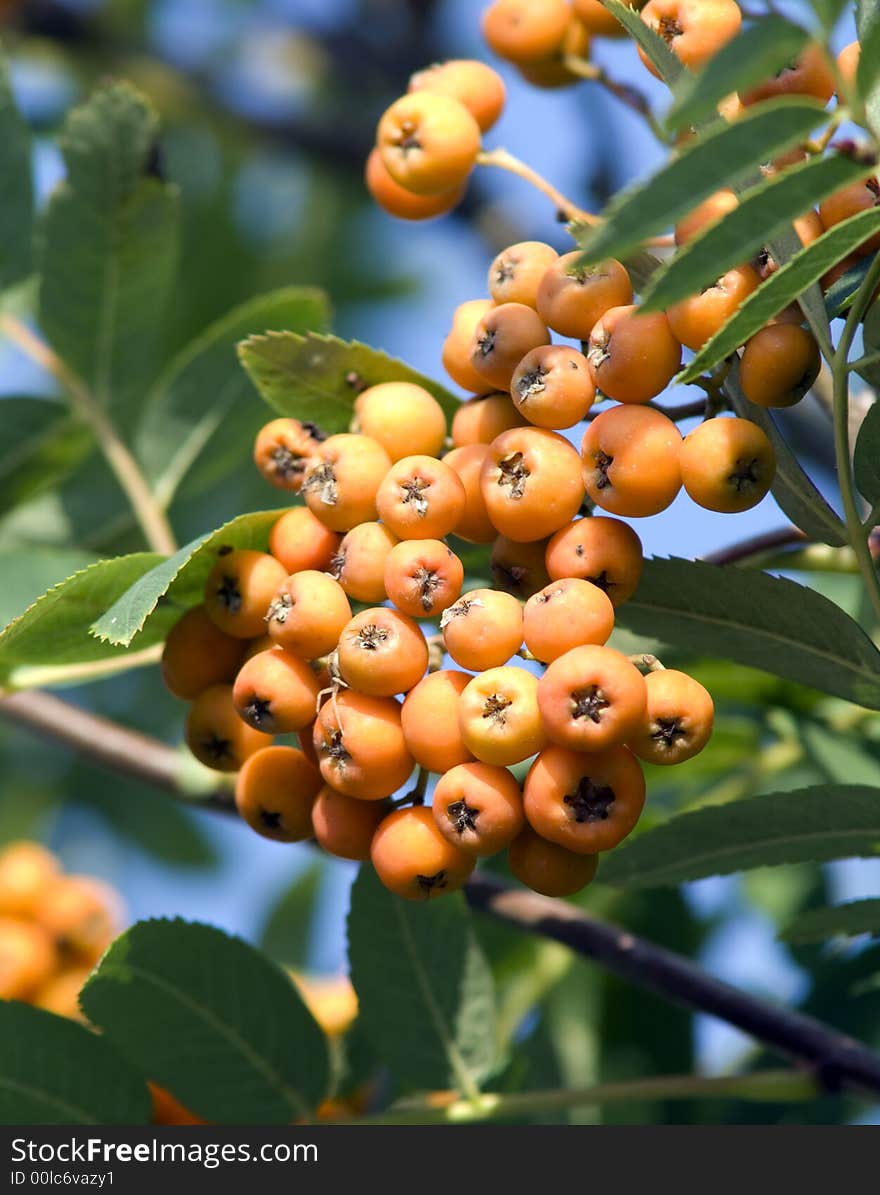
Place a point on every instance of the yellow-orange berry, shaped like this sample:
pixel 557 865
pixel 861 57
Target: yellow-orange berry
pixel 429 718
pixel 276 692
pixel 359 562
pixel 547 868
pixel 469 81
pixel 696 319
pixel 572 298
pixel 26 868
pixel 695 30
pixel 307 614
pixel 727 465
pixel 481 419
pixel 275 791
pixel 420 498
pixel 525 31
pixel 531 483
pixel 341 481
pixel 552 386
pixel 633 355
pixel 810 74
pixel 428 142
pixel 566 614
pixel 631 461
pixel 360 745
pixel 705 213
pixel 414 860
pixel 216 735
pixel 483 629
pixel 456 355
pixel 27 958
pixel 397 201
pixel 345 826
pixel 855 197
pixel 478 808
pixel 382 652
pixel 605 552
pixel 678 719
pixel 282 450
pixel 404 418
pixel 301 541
pixel 502 338
pixel 474 523
pixel 779 365
pixel 239 589
pixel 518 568
pixel 423 577
pixel 516 272
pixel 591 698
pixel 499 716
pixel 82 914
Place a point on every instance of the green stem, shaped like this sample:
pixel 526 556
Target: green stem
pixel 863 362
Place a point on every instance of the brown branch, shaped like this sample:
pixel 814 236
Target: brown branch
pixel 757 545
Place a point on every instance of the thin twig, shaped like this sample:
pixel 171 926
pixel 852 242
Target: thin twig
pixel 506 161
pixel 757 545
pixel 631 96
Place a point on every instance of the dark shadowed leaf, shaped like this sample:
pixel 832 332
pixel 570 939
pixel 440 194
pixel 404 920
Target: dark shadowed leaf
pixel 816 925
pixel 16 187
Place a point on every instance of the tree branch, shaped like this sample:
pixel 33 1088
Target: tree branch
pixel 757 545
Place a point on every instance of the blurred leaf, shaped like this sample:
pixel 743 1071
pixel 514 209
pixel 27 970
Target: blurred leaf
pixel 288 929
pixel 850 919
pixel 26 810
pixel 212 1020
pixel 55 629
pixel 16 187
pixel 186 571
pixel 28 573
pixel 54 1071
pixel 764 211
pixel 424 986
pixel 840 756
pixel 868 74
pixel 808 824
pixel 108 249
pixel 757 53
pixel 201 411
pixel 317 378
pixel 828 11
pixel 866 458
pixel 839 296
pixel 716 159
pixel 668 65
pixel 42 445
pixel 782 288
pixel 755 619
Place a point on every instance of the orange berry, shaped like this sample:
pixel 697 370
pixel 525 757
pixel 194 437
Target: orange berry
pixel 216 735
pixel 82 914
pixel 605 552
pixel 554 71
pixel 515 273
pixel 60 993
pixel 428 142
pixel 696 319
pixel 276 692
pixel 341 481
pixel 382 652
pixel 591 698
pixel 704 214
pixel 404 418
pixel 307 614
pixel 598 19
pixel 633 355
pixel 239 589
pixel 810 74
pixel 572 298
pixel 397 201
pixel 474 523
pixel 531 483
pixel 360 745
pixel 501 339
pixel 456 354
pixel 547 868
pixel 848 63
pixel 25 870
pixel 282 450
pixel 779 365
pixel 275 791
pixel 695 30
pixel 27 958
pixel 552 386
pixel 631 464
pixel 420 498
pixel 853 198
pixel 471 82
pixel 566 614
pixel 525 31
pixel 344 826
pixel 483 629
pixel 478 808
pixel 481 419
pixel 678 719
pixel 423 577
pixel 499 716
pixel 727 465
pixel 359 563
pixel 414 860
pixel 518 568
pixel 429 718
pixel 300 541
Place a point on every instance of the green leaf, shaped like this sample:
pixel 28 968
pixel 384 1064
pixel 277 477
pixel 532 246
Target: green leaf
pixel 866 458
pixel 758 620
pixel 424 986
pixel 42 444
pixel 187 570
pixel 717 159
pixel 816 925
pixel 317 378
pixel 667 64
pixel 764 212
pixel 202 410
pixel 828 11
pixel 16 187
pixel 868 73
pixel 54 1071
pixel 758 53
pixel 28 572
pixel 288 929
pixel 782 288
pixel 108 250
pixel 792 488
pixel 805 825
pixel 54 631
pixel 212 1020
pixel 840 295
pixel 841 757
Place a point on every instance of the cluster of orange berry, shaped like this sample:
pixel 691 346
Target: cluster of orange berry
pixel 53 928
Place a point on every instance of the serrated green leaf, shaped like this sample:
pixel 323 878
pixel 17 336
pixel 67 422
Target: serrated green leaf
pixel 756 54
pixel 108 246
pixel 54 631
pixel 866 458
pixel 16 187
pixel 424 986
pixel 201 410
pixel 758 620
pixel 29 572
pixel 717 159
pixel 792 488
pixel 212 1020
pixel 764 212
pixel 317 378
pixel 782 288
pixel 287 931
pixel 187 570
pixel 868 73
pixel 42 444
pixel 54 1071
pixel 805 825
pixel 817 925
pixel 667 64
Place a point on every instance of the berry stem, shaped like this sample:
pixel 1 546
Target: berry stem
pixel 645 662
pixel 149 514
pixel 631 96
pixel 513 165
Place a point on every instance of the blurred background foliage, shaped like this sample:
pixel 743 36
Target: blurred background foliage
pixel 268 109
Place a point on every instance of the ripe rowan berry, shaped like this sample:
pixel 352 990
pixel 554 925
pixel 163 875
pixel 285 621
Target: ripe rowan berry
pixel 809 228
pixel 300 541
pixel 469 81
pixel 397 201
pixel 809 74
pixel 695 30
pixel 307 614
pixel 779 365
pixel 483 629
pixel 216 735
pixel 499 716
pixel 404 418
pixel 552 386
pixel 474 524
pixel 420 498
pixel 276 692
pixel 633 355
pixel 359 562
pixel 678 719
pixel 598 19
pixel 591 698
pixel 27 958
pixel 274 793
pixel 481 419
pixel 853 198
pixel 709 211
pixel 341 482
pixel 198 654
pixel 422 577
pixel 428 142
pixel 360 746
pixel 630 457
pixel 554 71
pixel 502 338
pixel 382 652
pixel 523 31
pixel 25 870
pixel 239 589
pixel 547 868
pixel 456 355
pixel 345 826
pixel 282 450
pixel 848 63
pixel 478 808
pixel 566 614
pixel 585 803
pixel 82 915
pixel 515 273
pixel 414 860
pixel 518 568
pixel 60 993
pixel 429 718
pixel 531 483
pixel 253 647
pixel 605 552
pixel 727 464
pixel 696 319
pixel 572 298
